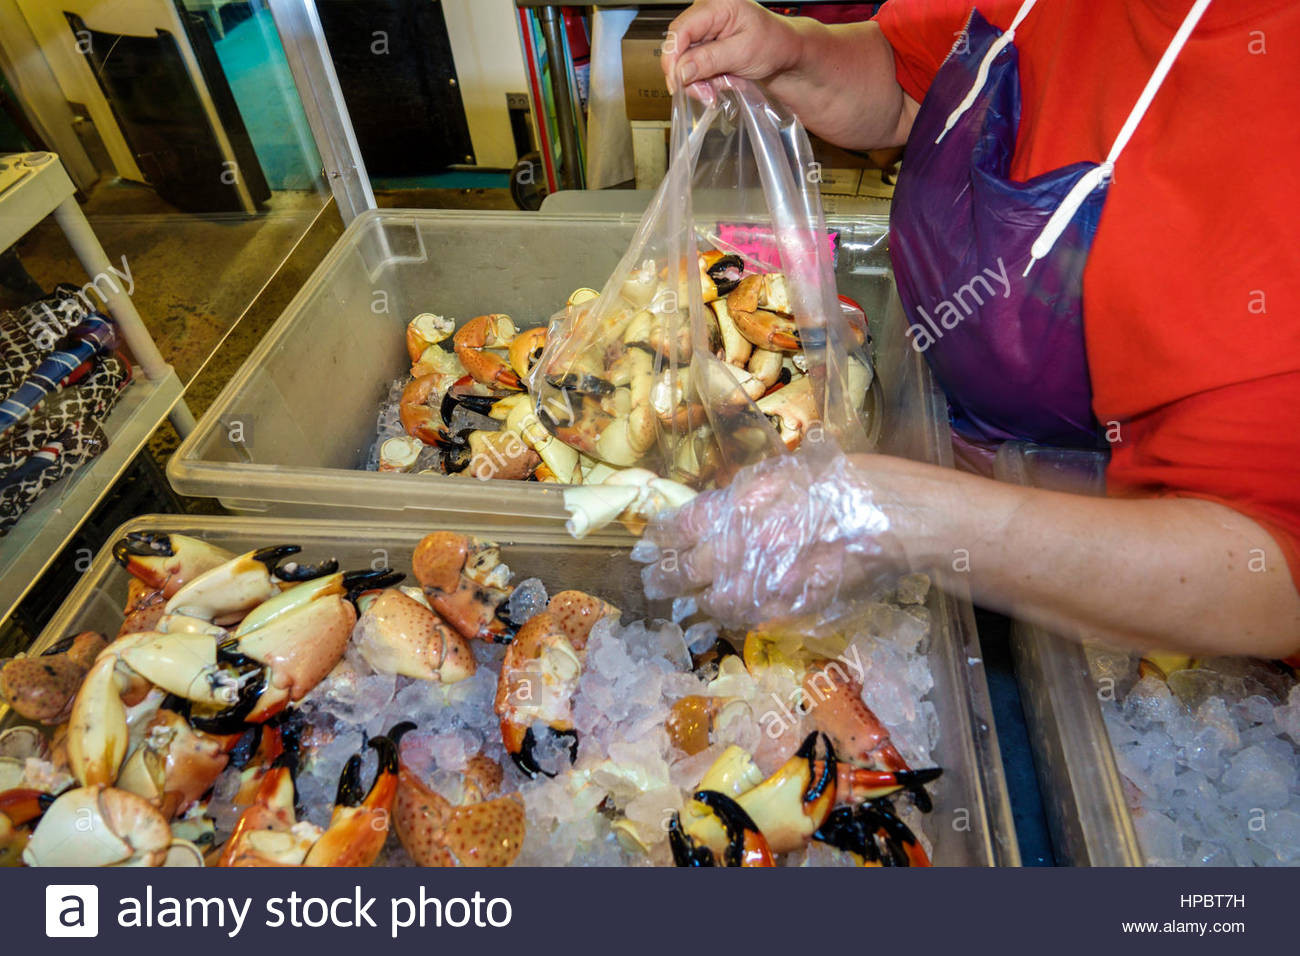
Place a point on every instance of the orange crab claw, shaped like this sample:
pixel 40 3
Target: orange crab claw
pixel 360 822
pixel 874 835
pixel 175 764
pixel 526 349
pixel 145 607
pixel 836 707
pixel 167 561
pixel 539 676
pixel 478 829
pixel 746 845
pixel 861 784
pixel 768 330
pixel 23 805
pixel 465 583
pixel 263 835
pixel 577 612
pixel 400 635
pixel 474 338
pixel 42 688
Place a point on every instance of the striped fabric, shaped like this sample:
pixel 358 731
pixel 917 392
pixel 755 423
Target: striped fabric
pixel 59 379
pixel 30 333
pixel 61 367
pixel 63 433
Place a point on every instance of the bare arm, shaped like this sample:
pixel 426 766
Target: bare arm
pixel 1179 573
pixel 839 80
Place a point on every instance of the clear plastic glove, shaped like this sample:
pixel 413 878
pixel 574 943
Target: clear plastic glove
pixel 791 535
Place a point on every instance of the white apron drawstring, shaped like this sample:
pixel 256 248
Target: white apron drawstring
pixel 1064 213
pixel 982 75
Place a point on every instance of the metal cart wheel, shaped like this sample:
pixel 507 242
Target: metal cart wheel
pixel 528 182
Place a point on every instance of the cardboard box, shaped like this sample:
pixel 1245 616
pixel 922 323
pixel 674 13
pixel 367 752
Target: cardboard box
pixel 644 88
pixel 839 182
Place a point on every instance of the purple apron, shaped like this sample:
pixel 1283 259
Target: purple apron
pixel 990 270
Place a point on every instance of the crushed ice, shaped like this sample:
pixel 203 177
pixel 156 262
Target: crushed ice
pixel 612 805
pixel 1210 758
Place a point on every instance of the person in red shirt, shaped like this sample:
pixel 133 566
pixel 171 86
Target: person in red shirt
pixel 1158 311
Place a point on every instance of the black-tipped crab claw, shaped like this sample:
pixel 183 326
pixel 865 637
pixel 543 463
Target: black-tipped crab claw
pixel 166 562
pixel 525 757
pixel 873 834
pixel 359 825
pixel 237 586
pixel 293 572
pixel 746 845
pixel 723 273
pixel 267 834
pixel 288 644
pixel 462 395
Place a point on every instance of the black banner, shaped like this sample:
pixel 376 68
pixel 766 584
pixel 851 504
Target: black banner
pixel 801 912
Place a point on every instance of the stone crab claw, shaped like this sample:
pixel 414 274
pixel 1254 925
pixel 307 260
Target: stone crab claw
pixel 232 589
pixel 467 393
pixel 720 273
pixel 472 341
pixel 277 654
pixel 287 645
pixel 267 832
pixel 787 807
pixel 792 410
pixel 175 765
pixel 20 810
pixel 166 562
pixel 99 826
pixel 526 350
pixel 466 583
pixel 746 845
pixel 145 607
pixel 796 801
pixel 398 633
pixel 424 330
pixel 42 688
pixel 792 803
pixel 361 819
pixel 872 834
pixel 834 701
pixel 185 664
pixel 539 676
pixel 473 825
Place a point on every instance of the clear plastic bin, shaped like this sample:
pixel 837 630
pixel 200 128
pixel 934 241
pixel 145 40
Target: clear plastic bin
pixel 1081 785
pixel 289 432
pixel 972 818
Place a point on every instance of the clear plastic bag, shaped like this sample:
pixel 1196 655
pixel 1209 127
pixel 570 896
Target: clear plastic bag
pixel 719 340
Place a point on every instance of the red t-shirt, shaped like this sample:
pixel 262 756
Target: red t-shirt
pixel 1192 290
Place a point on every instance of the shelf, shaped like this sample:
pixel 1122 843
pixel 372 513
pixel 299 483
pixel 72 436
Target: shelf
pixel 30 548
pixel 32 185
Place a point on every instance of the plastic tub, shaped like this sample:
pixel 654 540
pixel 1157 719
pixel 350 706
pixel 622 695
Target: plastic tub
pixel 1081 785
pixel 288 433
pixel 972 817
pixel 1071 691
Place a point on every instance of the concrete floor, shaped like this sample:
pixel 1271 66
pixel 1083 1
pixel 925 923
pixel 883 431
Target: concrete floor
pixel 193 275
pixel 209 287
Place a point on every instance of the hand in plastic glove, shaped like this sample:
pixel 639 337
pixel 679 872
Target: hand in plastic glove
pixel 789 536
